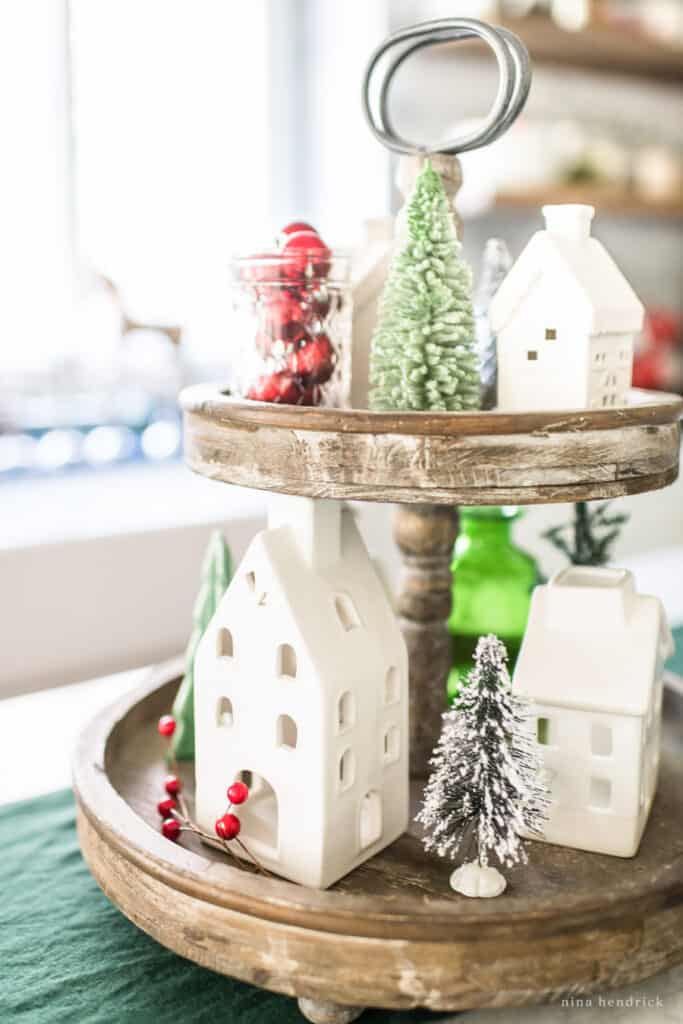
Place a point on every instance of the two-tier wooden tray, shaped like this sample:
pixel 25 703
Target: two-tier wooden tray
pixel 392 933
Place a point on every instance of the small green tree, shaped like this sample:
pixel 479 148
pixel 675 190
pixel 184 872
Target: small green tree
pixel 589 538
pixel 215 576
pixel 423 353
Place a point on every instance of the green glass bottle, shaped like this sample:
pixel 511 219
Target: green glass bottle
pixel 492 584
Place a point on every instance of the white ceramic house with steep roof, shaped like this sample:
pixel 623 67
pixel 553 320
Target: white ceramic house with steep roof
pixel 301 690
pixel 592 660
pixel 565 318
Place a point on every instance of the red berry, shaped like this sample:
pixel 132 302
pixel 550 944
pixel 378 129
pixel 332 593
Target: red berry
pixel 238 793
pixel 228 826
pixel 306 256
pixel 170 828
pixel 172 785
pixel 296 226
pixel 314 360
pixel 276 387
pixel 166 725
pixel 165 807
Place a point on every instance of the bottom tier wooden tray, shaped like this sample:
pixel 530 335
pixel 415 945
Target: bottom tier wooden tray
pixel 392 933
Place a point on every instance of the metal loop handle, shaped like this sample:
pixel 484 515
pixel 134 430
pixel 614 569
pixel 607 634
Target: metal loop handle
pixel 514 83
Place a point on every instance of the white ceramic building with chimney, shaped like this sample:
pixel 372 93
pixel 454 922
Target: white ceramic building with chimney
pixel 565 318
pixel 592 660
pixel 301 690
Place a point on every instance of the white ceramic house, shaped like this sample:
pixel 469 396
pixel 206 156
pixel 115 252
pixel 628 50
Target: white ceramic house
pixel 301 690
pixel 565 318
pixel 592 660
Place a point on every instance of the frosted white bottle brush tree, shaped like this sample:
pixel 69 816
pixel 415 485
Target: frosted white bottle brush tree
pixel 486 785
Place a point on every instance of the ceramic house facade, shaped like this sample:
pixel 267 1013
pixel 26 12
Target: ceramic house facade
pixel 565 318
pixel 592 661
pixel 301 691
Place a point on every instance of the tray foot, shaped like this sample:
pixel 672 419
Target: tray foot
pixel 329 1013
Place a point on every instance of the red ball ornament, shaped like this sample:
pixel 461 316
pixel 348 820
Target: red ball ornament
pixel 306 255
pixel 280 387
pixel 172 785
pixel 165 807
pixel 238 793
pixel 228 826
pixel 166 725
pixel 170 828
pixel 321 302
pixel 314 361
pixel 282 316
pixel 296 226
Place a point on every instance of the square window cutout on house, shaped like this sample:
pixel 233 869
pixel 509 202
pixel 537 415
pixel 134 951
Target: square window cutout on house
pixel 285 661
pixel 600 793
pixel 346 711
pixel 392 744
pixel 347 769
pixel 346 612
pixel 550 334
pixel 532 355
pixel 392 686
pixel 224 645
pixel 543 731
pixel 287 732
pixel 601 740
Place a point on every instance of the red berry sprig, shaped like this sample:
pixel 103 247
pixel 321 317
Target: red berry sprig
pixel 167 806
pixel 171 828
pixel 228 826
pixel 238 792
pixel 174 812
pixel 166 726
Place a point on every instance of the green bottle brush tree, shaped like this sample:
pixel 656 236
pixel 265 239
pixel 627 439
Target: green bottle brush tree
pixel 216 574
pixel 423 353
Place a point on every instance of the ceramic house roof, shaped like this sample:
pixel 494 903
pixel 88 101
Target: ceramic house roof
pixel 293 603
pixel 595 289
pixel 592 643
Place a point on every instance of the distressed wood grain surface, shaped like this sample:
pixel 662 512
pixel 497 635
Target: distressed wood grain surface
pixel 392 933
pixel 486 458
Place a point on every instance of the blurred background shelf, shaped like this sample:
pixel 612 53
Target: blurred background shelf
pixel 605 48
pixel 606 198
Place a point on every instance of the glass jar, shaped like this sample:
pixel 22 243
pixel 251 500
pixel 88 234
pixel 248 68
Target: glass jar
pixel 492 584
pixel 292 328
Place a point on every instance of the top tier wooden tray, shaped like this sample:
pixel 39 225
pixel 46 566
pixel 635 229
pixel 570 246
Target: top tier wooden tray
pixel 482 458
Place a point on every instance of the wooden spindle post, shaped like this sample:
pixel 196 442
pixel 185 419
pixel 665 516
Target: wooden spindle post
pixel 425 535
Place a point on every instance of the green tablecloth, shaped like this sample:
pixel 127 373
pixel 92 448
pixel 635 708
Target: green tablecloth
pixel 67 955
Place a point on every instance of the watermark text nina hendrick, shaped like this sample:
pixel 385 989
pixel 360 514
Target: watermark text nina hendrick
pixel 614 1002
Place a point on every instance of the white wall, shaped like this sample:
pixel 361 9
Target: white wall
pixel 98 573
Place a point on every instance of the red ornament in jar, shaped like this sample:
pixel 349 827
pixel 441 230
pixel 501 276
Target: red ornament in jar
pixel 292 322
pixel 313 361
pixel 306 256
